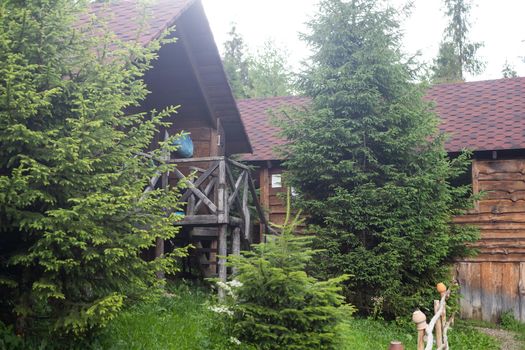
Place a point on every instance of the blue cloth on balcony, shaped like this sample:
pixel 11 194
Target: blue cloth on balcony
pixel 184 146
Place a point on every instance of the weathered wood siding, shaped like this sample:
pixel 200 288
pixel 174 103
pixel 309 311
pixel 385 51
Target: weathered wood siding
pixel 493 282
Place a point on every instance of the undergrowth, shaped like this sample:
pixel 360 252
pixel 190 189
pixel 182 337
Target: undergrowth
pixel 368 334
pixel 183 320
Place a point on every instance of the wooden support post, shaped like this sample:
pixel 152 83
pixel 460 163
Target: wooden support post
pixel 246 210
pixel 442 321
pixel 420 320
pixel 439 326
pixel 396 345
pixel 222 195
pixel 212 267
pixel 264 194
pixel 223 230
pixel 236 244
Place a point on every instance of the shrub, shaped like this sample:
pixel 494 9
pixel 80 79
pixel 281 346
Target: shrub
pixel 276 304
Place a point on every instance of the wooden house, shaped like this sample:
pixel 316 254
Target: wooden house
pixel 487 117
pixel 189 73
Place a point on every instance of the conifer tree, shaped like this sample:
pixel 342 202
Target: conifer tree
pixel 73 217
pixel 269 72
pixel 457 55
pixel 263 74
pixel 277 305
pixel 235 60
pixel 369 165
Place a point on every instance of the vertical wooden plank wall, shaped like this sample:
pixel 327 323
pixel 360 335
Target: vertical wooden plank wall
pixel 493 282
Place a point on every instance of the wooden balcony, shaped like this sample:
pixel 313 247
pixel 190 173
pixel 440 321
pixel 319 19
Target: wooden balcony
pixel 219 197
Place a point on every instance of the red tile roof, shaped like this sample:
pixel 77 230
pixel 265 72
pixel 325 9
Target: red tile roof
pixel 124 17
pixel 483 115
pixel 256 115
pixel 480 116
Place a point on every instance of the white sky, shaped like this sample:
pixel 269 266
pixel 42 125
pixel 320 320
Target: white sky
pixel 498 23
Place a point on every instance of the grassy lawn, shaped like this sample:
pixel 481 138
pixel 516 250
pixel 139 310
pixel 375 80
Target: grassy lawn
pixel 365 334
pixel 179 321
pixel 183 321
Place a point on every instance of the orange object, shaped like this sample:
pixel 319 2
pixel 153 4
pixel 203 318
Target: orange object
pixel 441 288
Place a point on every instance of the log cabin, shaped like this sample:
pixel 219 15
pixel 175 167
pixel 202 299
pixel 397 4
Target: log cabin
pixel 189 73
pixel 486 117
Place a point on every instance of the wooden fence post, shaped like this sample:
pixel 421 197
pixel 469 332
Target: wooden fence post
pixel 420 320
pixel 396 345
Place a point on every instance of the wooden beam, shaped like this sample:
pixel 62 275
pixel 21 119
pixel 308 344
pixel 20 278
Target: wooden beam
pixel 195 160
pixel 240 165
pixel 260 212
pixel 246 211
pixel 207 192
pixel 195 190
pixel 236 188
pixel 222 195
pixel 236 244
pixel 230 179
pixel 223 229
pixel 199 181
pixel 196 220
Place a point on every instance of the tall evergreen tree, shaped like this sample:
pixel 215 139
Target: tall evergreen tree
pixel 235 60
pixel 73 218
pixel 457 55
pixel 269 72
pixel 264 74
pixel 369 165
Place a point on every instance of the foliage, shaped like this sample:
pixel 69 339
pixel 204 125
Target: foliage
pixel 180 320
pixel 236 64
pixel 457 55
pixel 368 334
pixel 508 70
pixel 276 304
pixel 269 72
pixel 369 166
pixel 73 218
pixel 264 74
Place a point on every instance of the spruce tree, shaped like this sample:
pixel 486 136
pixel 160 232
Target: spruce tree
pixel 236 62
pixel 269 72
pixel 263 74
pixel 73 217
pixel 369 165
pixel 277 305
pixel 457 55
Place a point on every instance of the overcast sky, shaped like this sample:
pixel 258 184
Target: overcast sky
pixel 498 23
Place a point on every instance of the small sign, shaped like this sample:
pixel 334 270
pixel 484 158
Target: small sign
pixel 276 181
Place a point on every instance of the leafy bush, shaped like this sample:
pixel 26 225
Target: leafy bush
pixel 276 304
pixel 369 165
pixel 73 218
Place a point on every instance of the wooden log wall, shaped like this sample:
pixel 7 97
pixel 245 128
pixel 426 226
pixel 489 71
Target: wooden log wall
pixel 493 282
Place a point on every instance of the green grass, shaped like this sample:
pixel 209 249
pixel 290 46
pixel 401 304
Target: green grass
pixel 508 322
pixel 366 334
pixel 184 322
pixel 179 321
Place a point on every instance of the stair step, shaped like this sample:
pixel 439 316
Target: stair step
pixel 205 232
